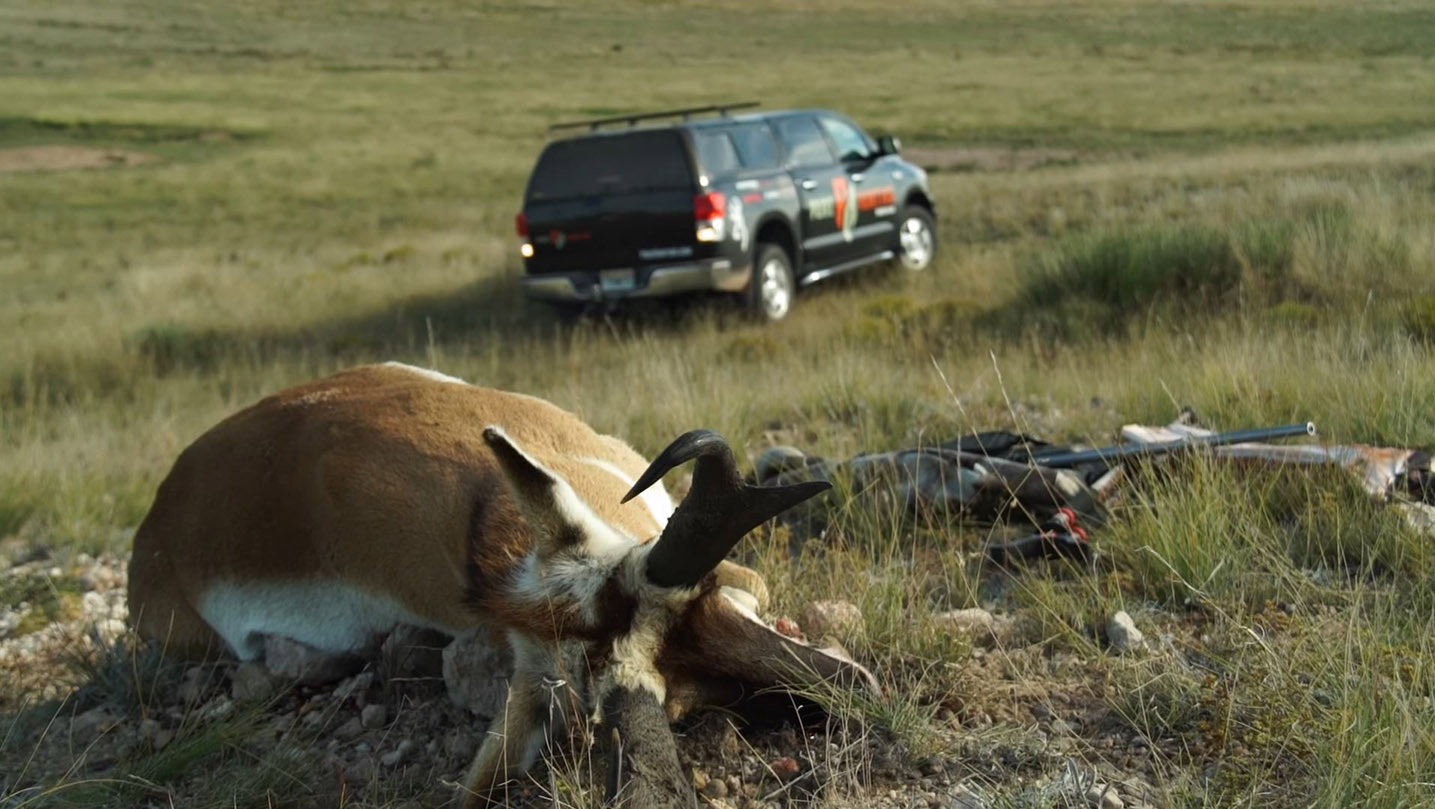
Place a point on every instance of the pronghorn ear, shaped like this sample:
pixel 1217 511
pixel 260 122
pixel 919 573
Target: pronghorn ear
pixel 557 515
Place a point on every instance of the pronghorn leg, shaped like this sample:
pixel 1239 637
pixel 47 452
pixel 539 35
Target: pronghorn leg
pixel 537 707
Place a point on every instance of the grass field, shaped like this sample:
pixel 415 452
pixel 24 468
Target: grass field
pixel 1231 211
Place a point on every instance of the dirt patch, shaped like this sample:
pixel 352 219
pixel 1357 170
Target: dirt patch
pixel 68 158
pixel 988 158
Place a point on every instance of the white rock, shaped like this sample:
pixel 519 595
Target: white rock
pixel 360 772
pixel 252 682
pixel 217 710
pixel 355 688
pixel 962 797
pixel 92 724
pixel 374 716
pixel 983 627
pixel 305 664
pixel 395 757
pixel 840 619
pixel 1104 796
pixel 10 619
pixel 350 729
pixel 195 684
pixel 1123 634
pixel 476 671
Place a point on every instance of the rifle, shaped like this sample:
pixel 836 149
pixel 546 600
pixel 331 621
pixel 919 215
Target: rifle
pixel 1120 452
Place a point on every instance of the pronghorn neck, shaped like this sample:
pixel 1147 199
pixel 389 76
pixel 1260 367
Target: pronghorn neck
pixel 656 611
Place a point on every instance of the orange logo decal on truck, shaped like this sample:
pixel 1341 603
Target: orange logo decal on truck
pixel 877 198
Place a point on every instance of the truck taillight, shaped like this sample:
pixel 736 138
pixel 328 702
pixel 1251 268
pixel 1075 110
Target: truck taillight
pixel 710 216
pixel 520 224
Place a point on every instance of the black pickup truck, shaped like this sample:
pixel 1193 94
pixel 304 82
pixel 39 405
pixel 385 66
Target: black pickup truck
pixel 703 200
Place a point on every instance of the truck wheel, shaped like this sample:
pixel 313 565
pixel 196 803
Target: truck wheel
pixel 916 238
pixel 769 294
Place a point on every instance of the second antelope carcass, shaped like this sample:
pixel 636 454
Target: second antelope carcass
pixel 331 512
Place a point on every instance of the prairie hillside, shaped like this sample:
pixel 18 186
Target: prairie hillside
pixel 1143 206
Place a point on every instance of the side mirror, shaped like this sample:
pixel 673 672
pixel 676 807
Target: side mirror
pixel 889 144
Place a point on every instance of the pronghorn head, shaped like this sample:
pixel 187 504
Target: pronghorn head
pixel 661 622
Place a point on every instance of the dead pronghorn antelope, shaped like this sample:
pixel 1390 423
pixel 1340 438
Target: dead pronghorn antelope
pixel 330 512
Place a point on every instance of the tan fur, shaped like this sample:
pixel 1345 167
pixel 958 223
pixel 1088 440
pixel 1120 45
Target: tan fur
pixel 376 491
pixel 334 462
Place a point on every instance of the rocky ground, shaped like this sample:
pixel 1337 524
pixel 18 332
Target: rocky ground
pixel 87 720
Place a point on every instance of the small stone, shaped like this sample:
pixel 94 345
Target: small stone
pixel 1121 631
pixel 840 619
pixel 10 620
pixel 355 687
pixel 1104 796
pixel 283 723
pixel 217 710
pixel 148 729
pixel 982 626
pixel 350 729
pixel 395 757
pixel 92 724
pixel 374 716
pixel 715 788
pixel 359 772
pixel 962 797
pixel 252 682
pixel 476 668
pixel 306 665
pixel 194 684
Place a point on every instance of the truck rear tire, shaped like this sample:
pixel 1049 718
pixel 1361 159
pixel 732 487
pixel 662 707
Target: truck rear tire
pixel 770 293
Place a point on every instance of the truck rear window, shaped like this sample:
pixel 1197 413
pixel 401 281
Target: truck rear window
pixel 633 162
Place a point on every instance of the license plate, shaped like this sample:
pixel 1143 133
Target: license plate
pixel 616 280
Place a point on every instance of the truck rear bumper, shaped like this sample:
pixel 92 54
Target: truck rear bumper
pixel 591 286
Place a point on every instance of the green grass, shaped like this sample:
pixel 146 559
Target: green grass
pixel 1239 222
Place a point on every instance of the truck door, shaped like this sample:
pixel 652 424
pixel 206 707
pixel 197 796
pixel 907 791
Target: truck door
pixel 875 212
pixel 829 210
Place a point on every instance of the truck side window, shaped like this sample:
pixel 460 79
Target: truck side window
pixel 756 146
pixel 718 155
pixel 852 144
pixel 806 148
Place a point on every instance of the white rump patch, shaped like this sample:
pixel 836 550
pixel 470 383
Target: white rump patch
pixel 655 497
pixel 426 373
pixel 331 616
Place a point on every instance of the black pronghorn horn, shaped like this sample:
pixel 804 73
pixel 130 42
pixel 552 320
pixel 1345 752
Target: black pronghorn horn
pixel 718 511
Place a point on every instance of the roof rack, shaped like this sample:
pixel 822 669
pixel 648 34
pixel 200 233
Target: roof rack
pixel 632 120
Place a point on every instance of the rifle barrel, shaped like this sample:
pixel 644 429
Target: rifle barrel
pixel 1114 454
